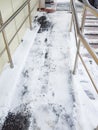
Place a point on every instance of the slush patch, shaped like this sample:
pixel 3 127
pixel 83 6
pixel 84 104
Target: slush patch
pixel 45 24
pixel 19 121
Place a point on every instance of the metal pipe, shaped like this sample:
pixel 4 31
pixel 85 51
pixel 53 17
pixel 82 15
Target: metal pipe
pixel 29 10
pixel 80 35
pixel 17 31
pixel 70 28
pixel 87 46
pixel 85 43
pixel 78 45
pixel 14 15
pixel 6 43
pixel 90 7
pixel 88 73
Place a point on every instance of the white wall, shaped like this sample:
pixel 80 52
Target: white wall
pixel 8 7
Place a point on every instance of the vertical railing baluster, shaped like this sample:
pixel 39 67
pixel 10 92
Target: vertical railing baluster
pixel 70 28
pixel 30 18
pixel 6 42
pixel 78 44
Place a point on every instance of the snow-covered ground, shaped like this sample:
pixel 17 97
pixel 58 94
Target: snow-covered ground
pixel 42 83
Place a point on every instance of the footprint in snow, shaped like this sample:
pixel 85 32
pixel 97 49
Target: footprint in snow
pixel 89 94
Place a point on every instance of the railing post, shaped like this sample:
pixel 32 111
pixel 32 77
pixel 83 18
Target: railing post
pixel 72 21
pixel 78 45
pixel 29 11
pixel 70 28
pixel 6 42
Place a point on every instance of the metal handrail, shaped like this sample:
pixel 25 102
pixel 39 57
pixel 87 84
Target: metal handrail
pixel 8 21
pixel 78 32
pixel 90 8
pixel 1 53
pixel 80 35
pixel 14 15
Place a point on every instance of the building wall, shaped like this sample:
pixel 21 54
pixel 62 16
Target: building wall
pixel 7 8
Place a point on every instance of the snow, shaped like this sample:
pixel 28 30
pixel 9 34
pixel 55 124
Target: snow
pixel 10 77
pixel 42 80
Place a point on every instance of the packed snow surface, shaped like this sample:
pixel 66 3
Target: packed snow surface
pixel 44 89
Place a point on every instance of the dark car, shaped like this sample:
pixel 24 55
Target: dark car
pixel 49 1
pixel 92 2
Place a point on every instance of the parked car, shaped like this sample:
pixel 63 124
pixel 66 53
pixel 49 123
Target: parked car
pixel 92 2
pixel 49 1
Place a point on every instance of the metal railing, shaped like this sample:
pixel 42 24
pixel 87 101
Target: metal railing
pixel 6 23
pixel 80 37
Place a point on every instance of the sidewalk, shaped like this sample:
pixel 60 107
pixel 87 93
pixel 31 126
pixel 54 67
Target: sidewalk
pixel 46 95
pixel 45 85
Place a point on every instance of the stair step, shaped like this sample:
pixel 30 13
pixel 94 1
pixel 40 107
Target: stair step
pixel 92 26
pixel 92 36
